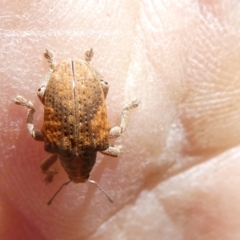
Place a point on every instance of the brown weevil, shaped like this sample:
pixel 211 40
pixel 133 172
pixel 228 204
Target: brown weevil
pixel 75 123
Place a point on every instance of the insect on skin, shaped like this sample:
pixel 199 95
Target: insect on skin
pixel 75 123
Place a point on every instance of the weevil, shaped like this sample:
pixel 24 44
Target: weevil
pixel 75 125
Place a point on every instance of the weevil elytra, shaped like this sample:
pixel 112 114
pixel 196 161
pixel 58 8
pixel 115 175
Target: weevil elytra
pixel 75 123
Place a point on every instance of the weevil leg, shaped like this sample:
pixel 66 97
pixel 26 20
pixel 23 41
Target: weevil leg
pixel 89 55
pixel 118 130
pixel 113 151
pixel 35 133
pixel 41 90
pixel 104 84
pixel 49 56
pixel 45 167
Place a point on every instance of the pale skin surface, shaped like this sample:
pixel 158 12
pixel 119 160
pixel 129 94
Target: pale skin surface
pixel 179 175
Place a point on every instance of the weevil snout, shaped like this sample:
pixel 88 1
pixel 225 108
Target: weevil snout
pixel 78 179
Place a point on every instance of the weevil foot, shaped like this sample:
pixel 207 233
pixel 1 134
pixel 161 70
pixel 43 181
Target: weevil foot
pixel 132 104
pixel 46 167
pixel 49 56
pixel 50 175
pixel 48 179
pixel 19 100
pixel 89 55
pixel 113 151
pixel 118 130
pixel 35 133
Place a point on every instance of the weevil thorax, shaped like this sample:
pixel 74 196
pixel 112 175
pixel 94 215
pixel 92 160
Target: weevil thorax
pixel 75 117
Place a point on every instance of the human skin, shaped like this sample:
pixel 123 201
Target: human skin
pixel 179 174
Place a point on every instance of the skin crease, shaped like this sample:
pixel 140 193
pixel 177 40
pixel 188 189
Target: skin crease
pixel 179 174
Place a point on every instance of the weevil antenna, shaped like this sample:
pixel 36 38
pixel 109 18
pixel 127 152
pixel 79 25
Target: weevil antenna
pixel 95 183
pixel 55 194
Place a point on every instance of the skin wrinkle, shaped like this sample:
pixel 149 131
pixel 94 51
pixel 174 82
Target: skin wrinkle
pixel 213 69
pixel 182 60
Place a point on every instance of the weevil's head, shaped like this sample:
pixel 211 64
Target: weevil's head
pixel 79 167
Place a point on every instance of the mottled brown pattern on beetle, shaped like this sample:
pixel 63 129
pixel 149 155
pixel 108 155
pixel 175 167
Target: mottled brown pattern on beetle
pixel 93 131
pixel 81 123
